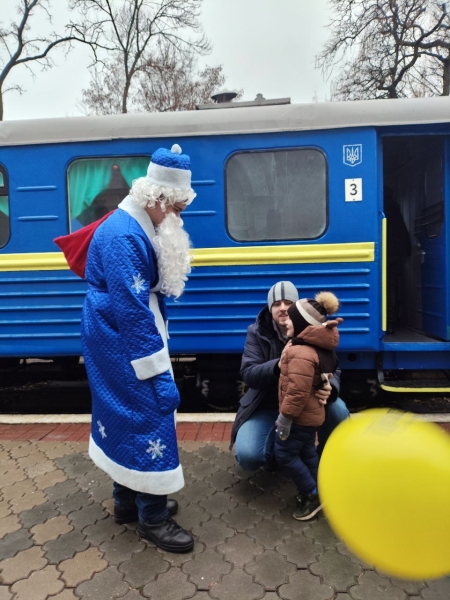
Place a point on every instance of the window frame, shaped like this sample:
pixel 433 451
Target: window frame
pixel 273 150
pixel 4 191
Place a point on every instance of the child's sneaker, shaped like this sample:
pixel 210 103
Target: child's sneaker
pixel 308 506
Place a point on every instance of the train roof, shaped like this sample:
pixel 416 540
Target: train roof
pixel 255 119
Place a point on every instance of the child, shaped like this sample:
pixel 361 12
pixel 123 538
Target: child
pixel 305 365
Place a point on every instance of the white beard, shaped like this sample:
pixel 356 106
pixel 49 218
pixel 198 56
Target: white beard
pixel 172 245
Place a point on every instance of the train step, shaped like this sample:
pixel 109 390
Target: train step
pixel 427 386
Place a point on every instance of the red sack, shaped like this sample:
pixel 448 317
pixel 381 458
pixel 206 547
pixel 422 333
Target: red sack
pixel 75 246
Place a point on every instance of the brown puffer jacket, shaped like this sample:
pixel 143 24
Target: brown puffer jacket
pixel 300 375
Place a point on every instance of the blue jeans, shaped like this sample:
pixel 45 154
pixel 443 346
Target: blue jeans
pixel 297 457
pixel 151 508
pixel 255 438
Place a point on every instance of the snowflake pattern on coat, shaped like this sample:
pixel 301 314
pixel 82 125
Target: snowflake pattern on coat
pixel 139 283
pixel 155 449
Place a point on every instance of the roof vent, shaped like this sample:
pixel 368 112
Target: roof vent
pixel 223 96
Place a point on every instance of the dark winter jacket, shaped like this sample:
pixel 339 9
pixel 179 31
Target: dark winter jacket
pixel 259 370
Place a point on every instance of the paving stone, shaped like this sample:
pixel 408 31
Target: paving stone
pixel 240 550
pixel 224 461
pixel 237 585
pixel 213 532
pixel 410 587
pixel 343 549
pixel 39 585
pixel 5 509
pixel 372 586
pixel 202 469
pixel 17 490
pixel 268 505
pixel 61 490
pixel 74 464
pixel 242 518
pixel 218 504
pixel 336 570
pixel 144 567
pixel 19 567
pixel 222 480
pixel 9 524
pixel 28 501
pixel 192 516
pixel 269 533
pixel 49 479
pixel 267 481
pixel 300 551
pixel 51 529
pixel 64 595
pixel 270 570
pixel 103 586
pixel 322 533
pixel 4 593
pixel 74 502
pixel 89 480
pixel 207 452
pixel 122 547
pixel 14 542
pixel 176 560
pixel 41 468
pixel 82 566
pixel 13 476
pixel 244 492
pixel 206 569
pixel 65 547
pixel 32 459
pixel 38 514
pixel 88 515
pixel 437 590
pixel 22 450
pixel 102 531
pixel 101 492
pixel 132 595
pixel 239 472
pixel 304 586
pixel 56 449
pixel 108 505
pixel 172 585
pixel 196 491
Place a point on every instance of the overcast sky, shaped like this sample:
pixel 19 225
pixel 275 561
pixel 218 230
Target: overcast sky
pixel 265 46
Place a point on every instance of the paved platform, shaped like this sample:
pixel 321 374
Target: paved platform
pixel 59 541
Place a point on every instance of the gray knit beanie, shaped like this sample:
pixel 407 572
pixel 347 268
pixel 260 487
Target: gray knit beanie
pixel 282 290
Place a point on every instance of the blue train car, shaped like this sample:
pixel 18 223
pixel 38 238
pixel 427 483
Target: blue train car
pixel 284 192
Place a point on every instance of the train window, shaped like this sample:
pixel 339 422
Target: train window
pixel 97 185
pixel 276 195
pixel 4 208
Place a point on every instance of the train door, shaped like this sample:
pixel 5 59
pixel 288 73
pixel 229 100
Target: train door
pixel 417 282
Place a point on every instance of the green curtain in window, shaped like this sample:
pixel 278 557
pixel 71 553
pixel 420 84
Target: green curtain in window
pixel 4 205
pixel 88 177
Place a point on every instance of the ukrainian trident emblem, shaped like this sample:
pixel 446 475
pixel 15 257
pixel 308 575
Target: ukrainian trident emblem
pixel 352 154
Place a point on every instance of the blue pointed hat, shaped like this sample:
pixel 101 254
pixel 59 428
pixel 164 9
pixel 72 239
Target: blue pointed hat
pixel 170 169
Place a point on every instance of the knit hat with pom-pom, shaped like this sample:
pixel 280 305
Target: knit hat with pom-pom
pixel 309 311
pixel 170 169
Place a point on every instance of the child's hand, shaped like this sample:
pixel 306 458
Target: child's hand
pixel 283 426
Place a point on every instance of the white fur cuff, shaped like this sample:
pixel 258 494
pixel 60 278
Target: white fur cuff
pixel 150 482
pixel 149 366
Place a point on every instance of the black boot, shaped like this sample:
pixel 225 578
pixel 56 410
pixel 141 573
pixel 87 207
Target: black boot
pixel 129 513
pixel 167 535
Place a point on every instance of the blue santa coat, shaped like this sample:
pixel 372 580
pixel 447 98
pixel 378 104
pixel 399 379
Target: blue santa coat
pixel 124 339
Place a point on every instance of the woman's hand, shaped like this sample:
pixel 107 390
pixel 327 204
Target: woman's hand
pixel 324 393
pixel 289 343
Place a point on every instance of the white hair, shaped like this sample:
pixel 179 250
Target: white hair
pixel 147 194
pixel 172 247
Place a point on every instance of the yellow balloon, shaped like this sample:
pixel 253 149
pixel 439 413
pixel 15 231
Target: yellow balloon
pixel 384 479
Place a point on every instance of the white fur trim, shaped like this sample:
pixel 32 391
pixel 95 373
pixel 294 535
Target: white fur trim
pixel 308 318
pixel 140 214
pixel 149 482
pixel 177 179
pixel 149 366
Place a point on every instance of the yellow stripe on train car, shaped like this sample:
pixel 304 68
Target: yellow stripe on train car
pixel 214 257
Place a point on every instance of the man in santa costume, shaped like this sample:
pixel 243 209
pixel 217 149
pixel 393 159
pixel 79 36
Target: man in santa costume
pixel 136 257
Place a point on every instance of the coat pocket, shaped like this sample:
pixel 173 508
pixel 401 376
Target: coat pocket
pixel 166 392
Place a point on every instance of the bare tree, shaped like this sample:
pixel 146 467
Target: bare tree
pixel 122 36
pixel 388 48
pixel 20 46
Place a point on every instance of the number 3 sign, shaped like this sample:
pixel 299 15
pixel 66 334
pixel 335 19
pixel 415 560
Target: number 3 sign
pixel 353 190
